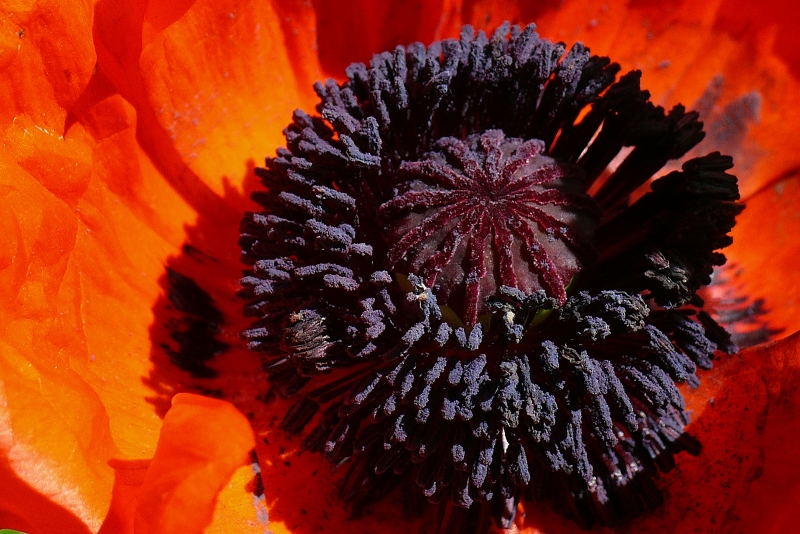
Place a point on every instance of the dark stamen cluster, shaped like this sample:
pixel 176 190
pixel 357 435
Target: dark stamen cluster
pixel 453 280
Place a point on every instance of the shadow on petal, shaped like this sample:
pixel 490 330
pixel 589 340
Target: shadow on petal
pixel 41 514
pixel 129 476
pixel 202 443
pixel 746 479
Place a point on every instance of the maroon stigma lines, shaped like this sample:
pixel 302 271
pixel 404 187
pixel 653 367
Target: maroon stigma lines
pixel 497 206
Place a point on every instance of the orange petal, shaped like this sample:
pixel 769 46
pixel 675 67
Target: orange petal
pixel 28 511
pixel 85 256
pixel 118 32
pixel 56 434
pixel 298 21
pixel 763 257
pixel 129 476
pixel 235 510
pixel 54 438
pixel 87 225
pixel 224 101
pixel 202 443
pixel 50 63
pixel 239 509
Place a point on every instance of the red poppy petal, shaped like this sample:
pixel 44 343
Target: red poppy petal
pixel 746 418
pixel 224 101
pixel 763 257
pixel 744 17
pixel 354 31
pixel 202 443
pixel 302 492
pixel 769 503
pixel 747 99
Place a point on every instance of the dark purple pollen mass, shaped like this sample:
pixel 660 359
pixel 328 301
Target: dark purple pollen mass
pixel 472 296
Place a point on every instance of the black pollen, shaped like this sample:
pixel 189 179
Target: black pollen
pixel 457 287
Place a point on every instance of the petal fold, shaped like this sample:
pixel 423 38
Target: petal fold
pixel 202 443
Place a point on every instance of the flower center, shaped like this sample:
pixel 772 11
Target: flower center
pixel 487 212
pixel 432 281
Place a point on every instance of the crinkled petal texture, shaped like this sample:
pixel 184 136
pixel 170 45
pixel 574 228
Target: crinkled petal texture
pixel 130 129
pixel 87 224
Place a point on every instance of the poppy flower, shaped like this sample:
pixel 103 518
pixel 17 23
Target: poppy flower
pixel 130 135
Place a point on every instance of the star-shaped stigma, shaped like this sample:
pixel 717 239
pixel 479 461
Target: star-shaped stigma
pixel 487 212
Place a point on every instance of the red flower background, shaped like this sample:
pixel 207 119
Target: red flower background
pixel 129 133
